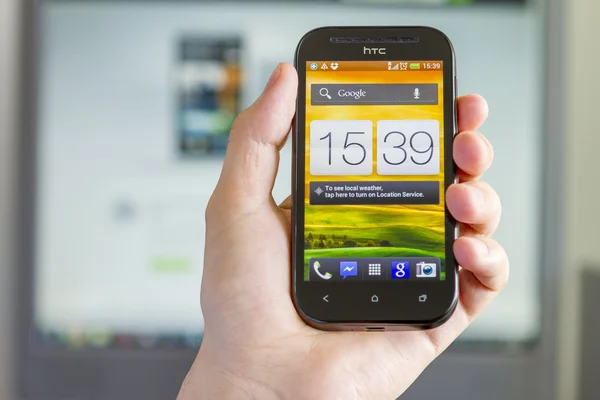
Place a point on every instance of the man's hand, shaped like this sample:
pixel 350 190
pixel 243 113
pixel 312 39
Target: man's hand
pixel 255 345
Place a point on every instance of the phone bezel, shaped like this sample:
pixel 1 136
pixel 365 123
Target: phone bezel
pixel 349 306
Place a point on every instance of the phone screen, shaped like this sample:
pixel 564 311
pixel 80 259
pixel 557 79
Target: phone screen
pixel 209 81
pixel 374 171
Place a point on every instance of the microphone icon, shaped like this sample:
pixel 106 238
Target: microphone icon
pixel 417 94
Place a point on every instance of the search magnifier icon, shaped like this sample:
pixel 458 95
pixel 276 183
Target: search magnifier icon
pixel 324 92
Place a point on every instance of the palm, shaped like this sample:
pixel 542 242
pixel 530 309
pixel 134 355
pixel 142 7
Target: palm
pixel 261 316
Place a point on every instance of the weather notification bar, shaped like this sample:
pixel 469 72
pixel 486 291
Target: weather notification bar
pixel 374 193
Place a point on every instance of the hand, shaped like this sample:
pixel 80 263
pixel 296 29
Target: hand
pixel 255 346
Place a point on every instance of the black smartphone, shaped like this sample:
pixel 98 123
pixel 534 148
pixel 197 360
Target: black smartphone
pixel 372 159
pixel 208 93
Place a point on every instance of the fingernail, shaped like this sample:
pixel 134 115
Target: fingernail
pixel 273 77
pixel 480 247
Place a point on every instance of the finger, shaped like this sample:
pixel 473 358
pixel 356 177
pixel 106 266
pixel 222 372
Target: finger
pixel 286 204
pixel 475 203
pixel 256 136
pixel 473 154
pixel 485 271
pixel 485 258
pixel 286 209
pixel 472 112
pixel 467 230
pixel 287 213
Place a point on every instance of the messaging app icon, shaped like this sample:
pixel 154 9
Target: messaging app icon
pixel 348 268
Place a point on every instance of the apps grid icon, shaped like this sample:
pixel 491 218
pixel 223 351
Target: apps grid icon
pixel 374 269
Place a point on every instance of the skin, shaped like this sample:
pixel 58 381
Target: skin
pixel 255 345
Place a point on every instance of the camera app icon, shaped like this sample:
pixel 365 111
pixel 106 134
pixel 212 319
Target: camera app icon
pixel 426 270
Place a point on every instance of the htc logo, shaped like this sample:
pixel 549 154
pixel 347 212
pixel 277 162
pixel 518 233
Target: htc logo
pixel 374 50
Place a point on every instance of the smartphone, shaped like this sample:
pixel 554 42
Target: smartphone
pixel 208 93
pixel 372 159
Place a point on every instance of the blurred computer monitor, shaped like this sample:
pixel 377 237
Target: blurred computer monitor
pixel 133 104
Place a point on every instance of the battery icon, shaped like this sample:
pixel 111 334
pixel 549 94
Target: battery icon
pixel 415 65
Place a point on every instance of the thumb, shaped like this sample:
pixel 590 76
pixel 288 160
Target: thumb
pixel 252 157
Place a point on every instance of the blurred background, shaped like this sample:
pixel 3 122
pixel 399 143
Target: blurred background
pixel 113 122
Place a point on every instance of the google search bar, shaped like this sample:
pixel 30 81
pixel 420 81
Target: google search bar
pixel 373 94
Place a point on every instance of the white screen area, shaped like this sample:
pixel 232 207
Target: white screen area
pixel 114 198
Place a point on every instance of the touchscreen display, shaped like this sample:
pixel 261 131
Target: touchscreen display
pixel 374 171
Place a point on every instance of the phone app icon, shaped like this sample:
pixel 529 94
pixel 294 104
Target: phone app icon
pixel 426 270
pixel 348 268
pixel 326 275
pixel 400 269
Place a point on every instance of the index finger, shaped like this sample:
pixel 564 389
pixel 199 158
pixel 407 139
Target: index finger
pixel 472 112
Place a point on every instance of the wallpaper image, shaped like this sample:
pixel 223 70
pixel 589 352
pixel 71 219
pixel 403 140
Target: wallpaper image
pixel 363 231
